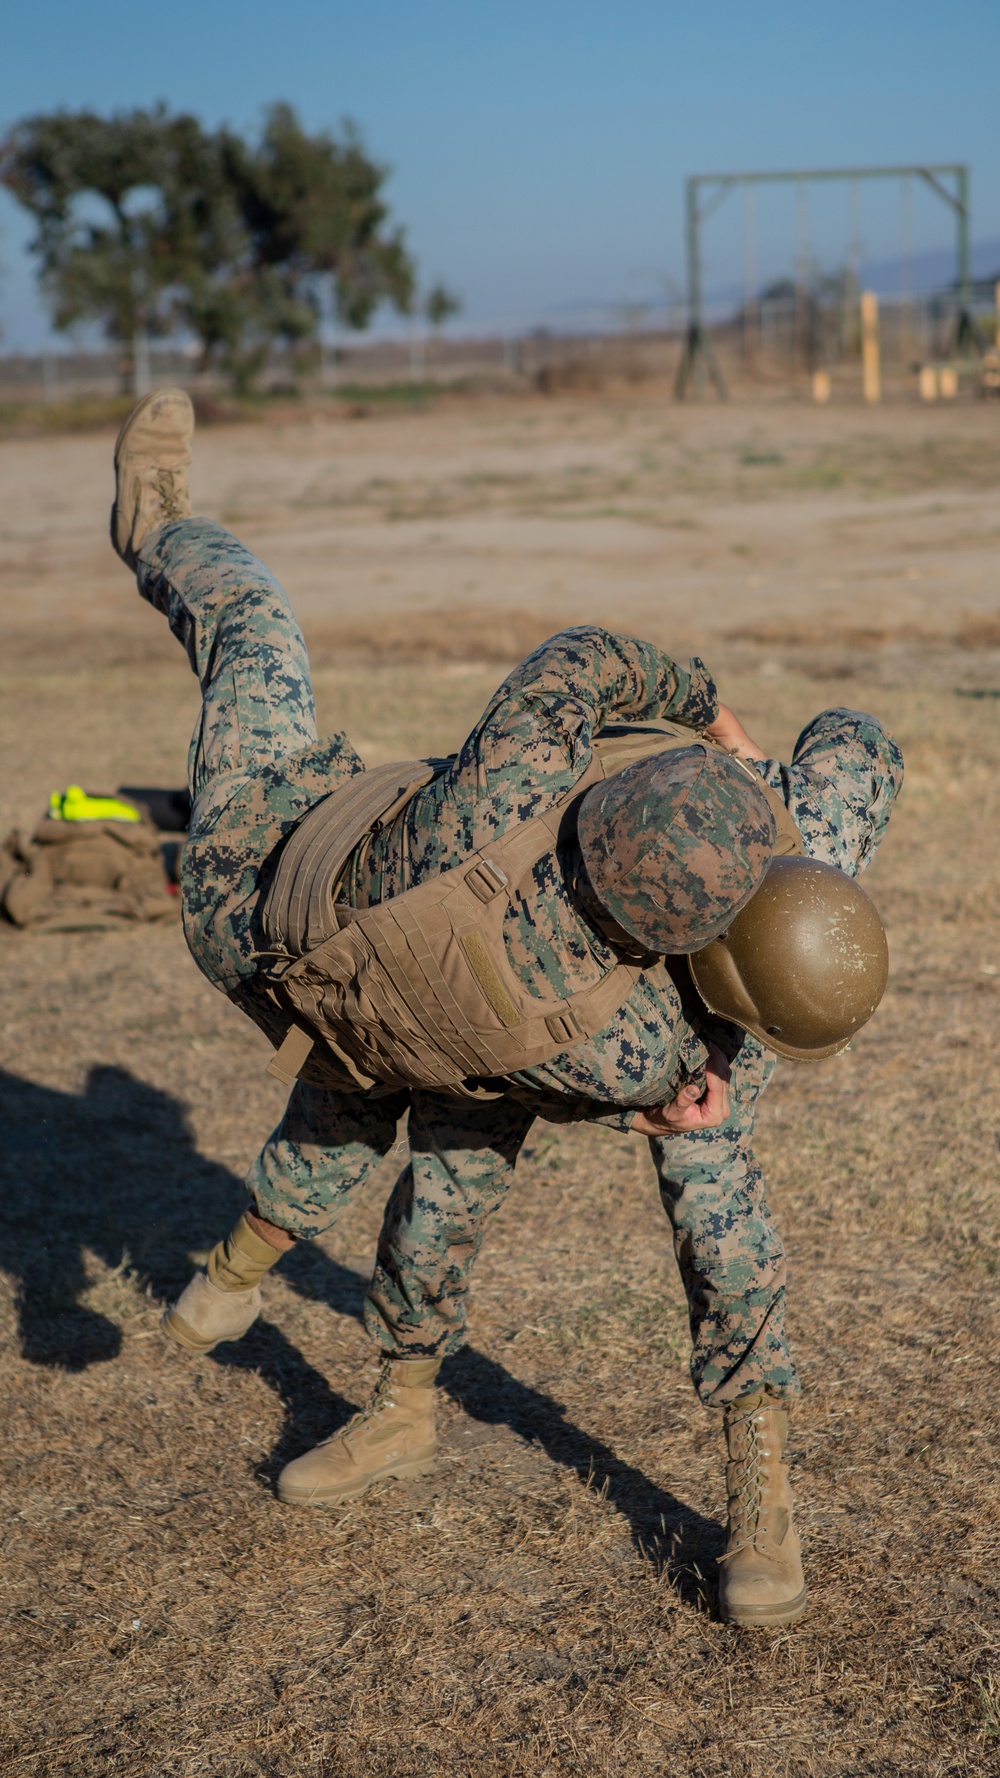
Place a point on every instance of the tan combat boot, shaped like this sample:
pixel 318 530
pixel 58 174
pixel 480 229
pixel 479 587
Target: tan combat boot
pixel 224 1300
pixel 761 1581
pixel 393 1437
pixel 152 457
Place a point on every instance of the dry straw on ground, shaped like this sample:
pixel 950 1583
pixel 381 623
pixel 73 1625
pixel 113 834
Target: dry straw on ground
pixel 546 1602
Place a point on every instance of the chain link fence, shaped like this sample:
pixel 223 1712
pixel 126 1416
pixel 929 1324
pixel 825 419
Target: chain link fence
pixel 778 342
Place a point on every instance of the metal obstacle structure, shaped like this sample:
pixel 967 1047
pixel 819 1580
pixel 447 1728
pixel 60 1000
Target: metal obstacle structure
pixel 698 357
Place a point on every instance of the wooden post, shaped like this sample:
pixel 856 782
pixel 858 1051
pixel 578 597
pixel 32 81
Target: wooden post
pixel 871 379
pixel 927 383
pixel 821 386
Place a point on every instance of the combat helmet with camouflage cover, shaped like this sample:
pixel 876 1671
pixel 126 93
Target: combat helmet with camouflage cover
pixel 676 844
pixel 802 966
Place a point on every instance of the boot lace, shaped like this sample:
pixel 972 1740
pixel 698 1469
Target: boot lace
pixel 746 1501
pixel 382 1393
pixel 169 493
pixel 380 1397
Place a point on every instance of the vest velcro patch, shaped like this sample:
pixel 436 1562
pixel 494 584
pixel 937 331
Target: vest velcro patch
pixel 489 981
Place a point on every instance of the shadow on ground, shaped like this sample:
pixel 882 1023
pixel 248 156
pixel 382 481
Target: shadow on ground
pixel 672 1534
pixel 115 1171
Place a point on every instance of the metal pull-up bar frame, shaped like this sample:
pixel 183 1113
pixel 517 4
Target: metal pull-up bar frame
pixel 697 348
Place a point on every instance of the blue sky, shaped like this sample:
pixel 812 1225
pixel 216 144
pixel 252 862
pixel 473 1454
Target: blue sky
pixel 539 150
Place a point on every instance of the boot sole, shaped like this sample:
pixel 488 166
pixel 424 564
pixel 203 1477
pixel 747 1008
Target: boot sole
pixel 124 552
pixel 765 1617
pixel 126 426
pixel 395 1472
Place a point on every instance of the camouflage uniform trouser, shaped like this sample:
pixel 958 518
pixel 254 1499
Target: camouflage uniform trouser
pixel 239 631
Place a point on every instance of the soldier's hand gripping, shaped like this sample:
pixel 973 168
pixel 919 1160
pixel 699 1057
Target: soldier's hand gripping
pixel 728 731
pixel 695 1107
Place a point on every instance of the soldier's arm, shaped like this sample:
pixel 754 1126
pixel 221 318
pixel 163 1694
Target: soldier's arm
pixel 596 677
pixel 540 725
pixel 700 1105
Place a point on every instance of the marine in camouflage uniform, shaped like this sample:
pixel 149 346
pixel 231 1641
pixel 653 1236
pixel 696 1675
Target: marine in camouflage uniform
pixel 257 767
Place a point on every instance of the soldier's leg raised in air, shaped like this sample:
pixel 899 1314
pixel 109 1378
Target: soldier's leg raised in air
pixel 243 641
pixel 461 1167
pixel 225 607
pixel 326 1146
pixel 732 1264
pixel 255 766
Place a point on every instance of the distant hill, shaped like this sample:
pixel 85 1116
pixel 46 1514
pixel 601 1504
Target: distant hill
pixel 933 270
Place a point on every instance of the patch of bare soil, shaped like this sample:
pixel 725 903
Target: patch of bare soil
pixel 545 1603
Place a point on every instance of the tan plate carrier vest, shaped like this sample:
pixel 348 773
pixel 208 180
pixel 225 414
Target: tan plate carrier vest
pixel 418 991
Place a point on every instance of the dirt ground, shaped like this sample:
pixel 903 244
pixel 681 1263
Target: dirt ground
pixel 546 1602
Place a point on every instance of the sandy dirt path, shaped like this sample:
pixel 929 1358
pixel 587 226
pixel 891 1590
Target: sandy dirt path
pixel 695 521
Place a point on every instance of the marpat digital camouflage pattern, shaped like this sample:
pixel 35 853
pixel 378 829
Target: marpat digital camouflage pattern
pixel 674 847
pixel 257 766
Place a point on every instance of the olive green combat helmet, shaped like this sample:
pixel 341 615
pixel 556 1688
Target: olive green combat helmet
pixel 676 844
pixel 802 966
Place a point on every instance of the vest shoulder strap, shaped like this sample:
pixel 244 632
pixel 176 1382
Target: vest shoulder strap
pixel 298 912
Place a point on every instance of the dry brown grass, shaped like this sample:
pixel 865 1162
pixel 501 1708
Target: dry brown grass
pixel 545 1603
pixel 965 630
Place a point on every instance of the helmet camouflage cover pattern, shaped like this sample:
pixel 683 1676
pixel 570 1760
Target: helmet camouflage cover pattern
pixel 675 845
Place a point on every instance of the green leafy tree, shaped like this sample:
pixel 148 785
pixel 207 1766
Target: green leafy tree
pixel 147 223
pixel 313 208
pixel 127 208
pixel 317 236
